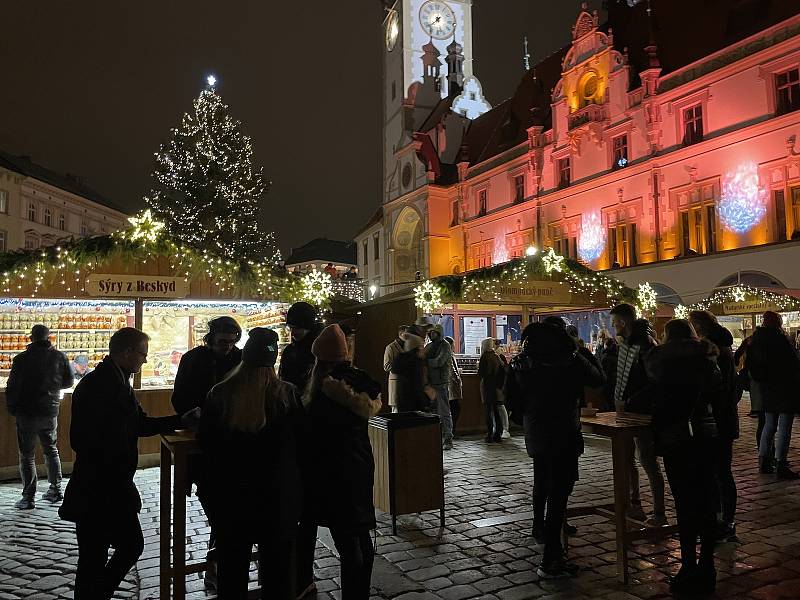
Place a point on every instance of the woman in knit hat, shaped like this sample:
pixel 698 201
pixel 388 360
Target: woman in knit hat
pixel 339 475
pixel 251 425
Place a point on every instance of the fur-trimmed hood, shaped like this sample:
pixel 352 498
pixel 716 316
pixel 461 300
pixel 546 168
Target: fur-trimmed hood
pixel 359 403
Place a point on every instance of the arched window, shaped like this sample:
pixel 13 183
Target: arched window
pixel 31 212
pixel 48 217
pixel 62 222
pixel 84 229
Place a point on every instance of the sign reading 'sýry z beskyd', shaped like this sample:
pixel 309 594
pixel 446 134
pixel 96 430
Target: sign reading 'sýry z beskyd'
pixel 136 286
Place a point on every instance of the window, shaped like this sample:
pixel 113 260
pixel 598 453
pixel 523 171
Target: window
pixel 711 228
pixel 697 217
pixel 780 215
pixel 84 229
pixel 3 202
pixel 48 217
pixel 563 172
pixel 787 88
pixel 623 245
pixel 634 259
pixel 365 257
pixel 62 222
pixel 692 125
pixel 480 254
pixel 376 247
pixel 2 241
pixel 573 248
pixel 686 245
pixel 31 241
pixel 473 96
pixel 519 188
pixel 612 247
pixel 620 152
pixel 454 214
pixel 699 230
pixel 796 211
pixel 31 212
pixel 481 203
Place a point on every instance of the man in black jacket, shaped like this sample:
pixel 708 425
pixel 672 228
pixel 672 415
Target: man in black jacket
pixel 101 497
pixel 33 393
pixel 296 359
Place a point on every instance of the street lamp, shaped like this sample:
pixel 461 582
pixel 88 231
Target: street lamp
pixel 531 250
pixel 372 290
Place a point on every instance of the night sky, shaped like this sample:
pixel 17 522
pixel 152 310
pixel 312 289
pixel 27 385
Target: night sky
pixel 93 87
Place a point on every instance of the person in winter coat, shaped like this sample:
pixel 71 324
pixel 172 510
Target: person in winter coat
pixel 297 359
pixel 253 423
pixel 389 354
pixel 775 370
pixel 340 469
pixel 501 399
pixel 200 370
pixel 545 383
pixel 630 390
pixel 101 498
pixel 726 414
pixel 687 382
pixel 455 391
pixel 440 367
pixel 411 379
pixel 588 394
pixel 492 378
pixel 33 393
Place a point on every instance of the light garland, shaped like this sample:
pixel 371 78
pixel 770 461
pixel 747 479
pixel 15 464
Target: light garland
pixel 317 287
pixel 647 297
pixel 428 297
pixel 731 294
pixel 145 228
pixel 552 261
pixel 592 240
pixel 743 203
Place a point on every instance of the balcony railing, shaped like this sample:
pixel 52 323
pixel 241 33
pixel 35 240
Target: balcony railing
pixel 591 113
pixel 355 289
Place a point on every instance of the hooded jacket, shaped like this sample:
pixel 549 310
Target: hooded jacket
pixel 37 377
pixel 297 359
pixel 440 362
pixel 775 370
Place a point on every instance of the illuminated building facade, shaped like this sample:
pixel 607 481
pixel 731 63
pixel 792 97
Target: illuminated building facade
pixel 663 147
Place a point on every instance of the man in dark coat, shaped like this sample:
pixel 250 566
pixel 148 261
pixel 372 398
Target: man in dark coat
pixel 296 359
pixel 631 391
pixel 33 393
pixel 775 370
pixel 101 498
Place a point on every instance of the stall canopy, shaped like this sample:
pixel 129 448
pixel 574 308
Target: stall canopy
pixel 745 299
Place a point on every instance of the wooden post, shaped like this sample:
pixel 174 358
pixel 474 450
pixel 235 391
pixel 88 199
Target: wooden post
pixel 138 317
pixel 165 524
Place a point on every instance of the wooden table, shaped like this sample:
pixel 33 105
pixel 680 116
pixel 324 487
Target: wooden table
pixel 621 428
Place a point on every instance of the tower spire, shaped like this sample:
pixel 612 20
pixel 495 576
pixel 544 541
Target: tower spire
pixel 455 67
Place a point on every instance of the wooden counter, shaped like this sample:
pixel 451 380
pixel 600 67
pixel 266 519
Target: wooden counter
pixel 155 402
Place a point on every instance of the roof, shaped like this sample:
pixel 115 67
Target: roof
pixel 376 217
pixel 69 183
pixel 324 249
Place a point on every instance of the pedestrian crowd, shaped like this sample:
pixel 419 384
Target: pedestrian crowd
pixel 287 452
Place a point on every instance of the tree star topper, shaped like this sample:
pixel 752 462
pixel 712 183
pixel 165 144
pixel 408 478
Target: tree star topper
pixel 552 261
pixel 317 287
pixel 145 227
pixel 428 297
pixel 647 297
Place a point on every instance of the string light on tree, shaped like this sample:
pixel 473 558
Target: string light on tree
pixel 428 297
pixel 592 240
pixel 647 297
pixel 552 261
pixel 743 203
pixel 317 287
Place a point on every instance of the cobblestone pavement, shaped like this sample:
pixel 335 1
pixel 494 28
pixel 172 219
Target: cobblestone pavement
pixel 470 557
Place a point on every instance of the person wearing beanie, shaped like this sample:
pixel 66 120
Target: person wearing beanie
pixel 251 424
pixel 297 359
pixel 199 370
pixel 774 370
pixel 338 477
pixel 440 368
pixel 409 365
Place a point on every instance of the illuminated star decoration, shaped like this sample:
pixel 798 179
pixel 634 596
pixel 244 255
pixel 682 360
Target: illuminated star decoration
pixel 211 81
pixel 552 261
pixel 743 203
pixel 145 228
pixel 428 297
pixel 738 294
pixel 317 287
pixel 592 241
pixel 647 297
pixel 681 312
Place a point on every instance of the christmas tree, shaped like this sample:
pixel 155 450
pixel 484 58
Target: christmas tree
pixel 205 187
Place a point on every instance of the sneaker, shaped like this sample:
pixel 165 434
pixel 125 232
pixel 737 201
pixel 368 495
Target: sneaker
pixel 506 434
pixel 558 569
pixel 636 513
pixel 53 495
pixel 25 504
pixel 656 521
pixel 309 589
pixel 726 532
pixel 784 472
pixel 448 445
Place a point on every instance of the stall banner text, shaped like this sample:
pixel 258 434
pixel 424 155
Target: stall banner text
pixel 136 286
pixel 748 307
pixel 534 292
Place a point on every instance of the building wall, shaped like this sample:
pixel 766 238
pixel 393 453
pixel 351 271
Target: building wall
pixel 82 217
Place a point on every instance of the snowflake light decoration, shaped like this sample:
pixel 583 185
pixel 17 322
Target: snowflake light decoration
pixel 552 261
pixel 743 203
pixel 428 297
pixel 681 312
pixel 317 287
pixel 647 297
pixel 145 227
pixel 592 241
pixel 738 294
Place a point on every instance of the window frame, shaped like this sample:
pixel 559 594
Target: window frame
pixel 62 221
pixel 47 216
pixel 615 151
pixel 518 185
pixel 365 249
pixel 376 246
pixel 32 209
pixel 3 240
pixel 454 214
pixel 793 102
pixel 4 202
pixel 697 117
pixel 482 202
pixel 563 166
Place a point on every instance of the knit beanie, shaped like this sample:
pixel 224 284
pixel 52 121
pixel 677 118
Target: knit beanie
pixel 261 348
pixel 771 319
pixel 224 325
pixel 411 342
pixel 302 315
pixel 330 345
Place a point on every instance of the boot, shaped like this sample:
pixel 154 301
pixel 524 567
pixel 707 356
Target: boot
pixel 784 472
pixel 766 465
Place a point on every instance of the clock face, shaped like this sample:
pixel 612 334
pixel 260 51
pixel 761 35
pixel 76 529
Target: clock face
pixel 437 19
pixel 392 31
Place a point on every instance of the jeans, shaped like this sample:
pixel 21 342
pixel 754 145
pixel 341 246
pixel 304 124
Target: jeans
pixel 554 479
pixel 97 576
pixel 690 476
pixel 443 410
pixel 276 560
pixel 503 417
pixel 29 429
pixel 777 430
pixel 645 452
pixel 725 483
pixel 494 425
